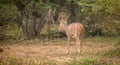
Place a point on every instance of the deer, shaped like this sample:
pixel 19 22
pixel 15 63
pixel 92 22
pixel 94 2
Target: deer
pixel 75 30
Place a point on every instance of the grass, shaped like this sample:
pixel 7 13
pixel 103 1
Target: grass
pixel 12 60
pixel 116 43
pixel 49 63
pixel 46 39
pixel 110 53
pixel 53 38
pixel 102 39
pixel 88 61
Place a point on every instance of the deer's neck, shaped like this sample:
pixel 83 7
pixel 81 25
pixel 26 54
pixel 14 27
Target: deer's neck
pixel 66 29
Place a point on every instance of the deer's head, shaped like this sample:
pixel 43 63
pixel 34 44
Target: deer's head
pixel 63 21
pixel 62 24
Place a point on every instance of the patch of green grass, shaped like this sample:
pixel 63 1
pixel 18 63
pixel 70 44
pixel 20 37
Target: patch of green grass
pixel 101 39
pixel 110 53
pixel 12 60
pixel 2 62
pixel 116 43
pixel 49 63
pixel 31 62
pixel 75 62
pixel 87 61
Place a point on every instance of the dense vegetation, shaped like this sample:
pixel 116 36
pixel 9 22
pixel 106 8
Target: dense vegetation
pixel 28 19
pixel 29 32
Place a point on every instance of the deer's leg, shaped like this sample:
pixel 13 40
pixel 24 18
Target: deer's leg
pixel 79 49
pixel 78 44
pixel 81 43
pixel 69 40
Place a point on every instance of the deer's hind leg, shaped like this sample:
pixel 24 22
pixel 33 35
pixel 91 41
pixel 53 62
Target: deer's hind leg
pixel 69 42
pixel 79 44
pixel 81 39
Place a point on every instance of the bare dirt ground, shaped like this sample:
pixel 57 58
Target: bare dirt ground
pixel 55 52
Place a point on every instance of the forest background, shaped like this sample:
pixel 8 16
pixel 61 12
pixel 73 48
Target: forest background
pixel 29 32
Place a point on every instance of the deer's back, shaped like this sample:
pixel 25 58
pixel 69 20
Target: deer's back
pixel 76 29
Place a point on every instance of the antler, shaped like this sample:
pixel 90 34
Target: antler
pixel 64 15
pixel 68 15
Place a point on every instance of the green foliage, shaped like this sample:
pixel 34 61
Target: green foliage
pixel 104 14
pixel 11 32
pixel 8 13
pixel 69 1
pixel 100 6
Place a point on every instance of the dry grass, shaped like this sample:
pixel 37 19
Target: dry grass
pixel 54 53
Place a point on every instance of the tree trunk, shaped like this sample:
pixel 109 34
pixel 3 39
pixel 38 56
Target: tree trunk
pixel 42 22
pixel 28 19
pixel 23 16
pixel 25 25
pixel 32 21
